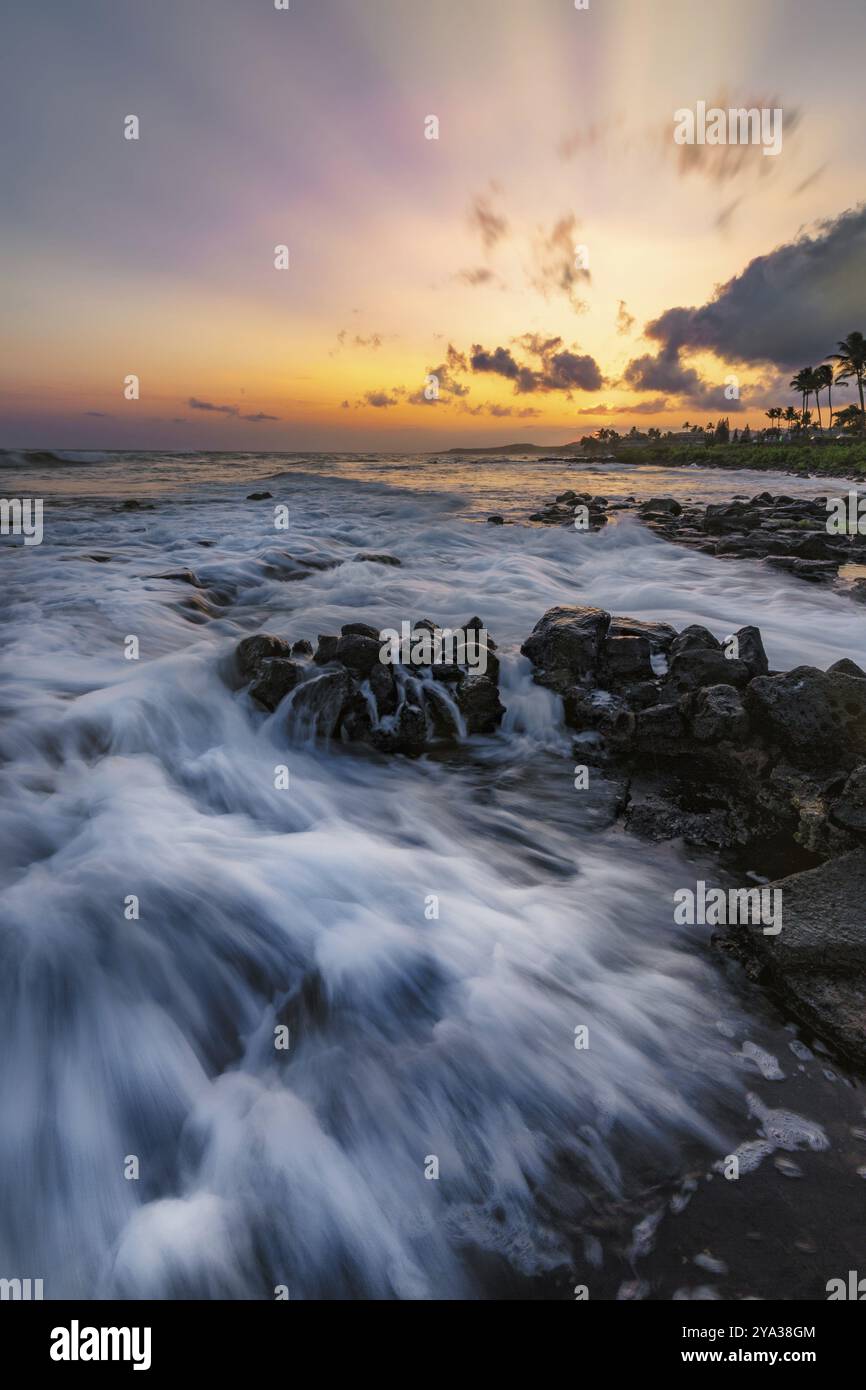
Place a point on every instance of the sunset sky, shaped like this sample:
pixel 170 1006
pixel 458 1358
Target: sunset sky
pixel 307 127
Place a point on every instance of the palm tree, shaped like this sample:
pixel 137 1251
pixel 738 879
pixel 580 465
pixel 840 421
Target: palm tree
pixel 801 384
pixel 790 416
pixel 851 359
pixel 775 413
pixel 816 381
pixel 824 376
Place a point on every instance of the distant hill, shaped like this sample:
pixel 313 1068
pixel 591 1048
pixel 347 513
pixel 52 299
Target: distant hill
pixel 573 447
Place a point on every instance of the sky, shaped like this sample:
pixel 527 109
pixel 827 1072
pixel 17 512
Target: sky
pixel 554 258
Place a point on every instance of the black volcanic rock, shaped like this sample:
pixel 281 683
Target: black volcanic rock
pixel 274 679
pixel 568 639
pixel 819 715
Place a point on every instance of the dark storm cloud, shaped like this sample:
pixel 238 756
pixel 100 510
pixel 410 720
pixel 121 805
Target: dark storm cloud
pixel 559 369
pixel 667 374
pixel 787 307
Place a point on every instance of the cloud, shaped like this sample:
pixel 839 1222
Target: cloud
pixel 476 275
pixel 723 162
pixel 786 308
pixel 526 412
pixel 624 320
pixel 447 384
pixel 559 369
pixel 195 404
pixel 383 400
pixel 372 340
pixel 651 407
pixel 491 225
pixel 557 263
pixel 231 410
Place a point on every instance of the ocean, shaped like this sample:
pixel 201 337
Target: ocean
pixel 411 1037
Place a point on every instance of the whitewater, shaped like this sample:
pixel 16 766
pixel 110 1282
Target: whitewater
pixel 412 1037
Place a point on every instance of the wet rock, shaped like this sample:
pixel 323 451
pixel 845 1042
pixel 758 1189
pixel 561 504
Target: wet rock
pixel 818 959
pixel 181 577
pixel 258 496
pixel 407 736
pixel 819 715
pixel 696 667
pixel 302 648
pixel 659 635
pixel 384 688
pixel 666 506
pixel 326 649
pixel 849 810
pixel 357 652
pixel 751 650
pixel 568 638
pixel 628 657
pixel 718 713
pixel 275 678
pixel 496 520
pixel 847 668
pixel 360 630
pixel 373 558
pixel 694 638
pixel 660 723
pixel 813 571
pixel 479 703
pixel 318 704
pixel 253 650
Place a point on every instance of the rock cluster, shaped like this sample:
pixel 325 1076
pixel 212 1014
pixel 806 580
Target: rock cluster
pixel 785 533
pixel 718 748
pixel 562 510
pixel 343 689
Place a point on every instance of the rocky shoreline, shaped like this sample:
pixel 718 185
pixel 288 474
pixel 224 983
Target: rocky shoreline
pixel 691 738
pixel 784 533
